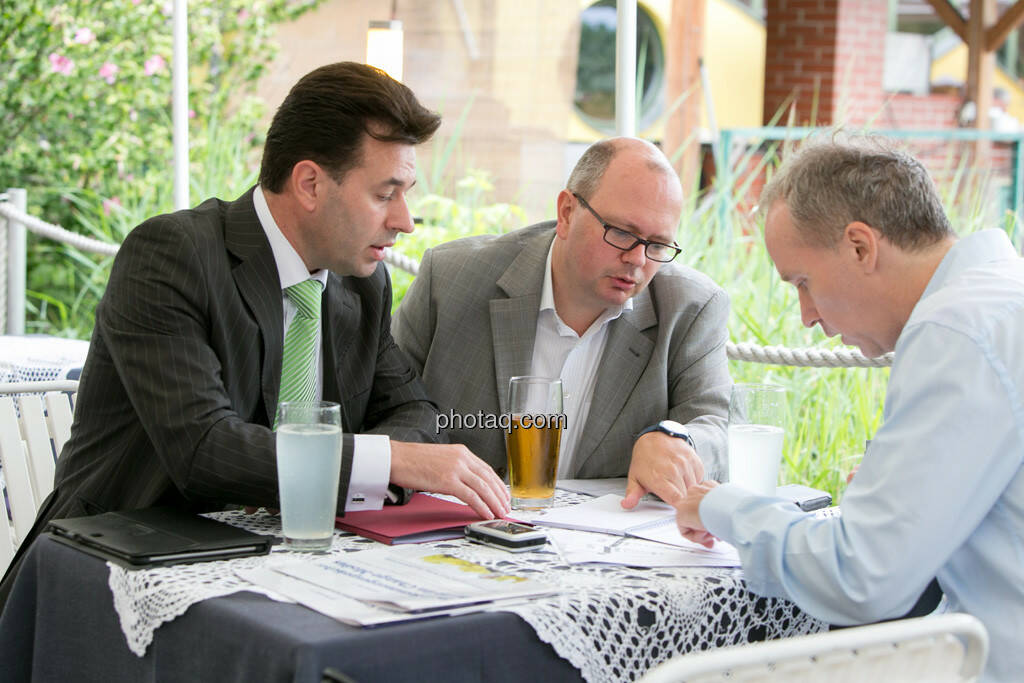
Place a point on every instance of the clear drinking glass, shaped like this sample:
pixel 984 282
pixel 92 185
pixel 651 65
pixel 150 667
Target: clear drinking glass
pixel 308 468
pixel 757 424
pixel 532 440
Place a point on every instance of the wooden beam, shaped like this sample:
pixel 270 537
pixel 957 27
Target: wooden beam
pixel 683 90
pixel 951 17
pixel 1011 19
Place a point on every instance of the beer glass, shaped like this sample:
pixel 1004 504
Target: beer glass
pixel 757 420
pixel 532 439
pixel 308 468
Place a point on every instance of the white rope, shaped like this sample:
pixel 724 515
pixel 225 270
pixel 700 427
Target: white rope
pixel 55 232
pixel 770 355
pixel 807 357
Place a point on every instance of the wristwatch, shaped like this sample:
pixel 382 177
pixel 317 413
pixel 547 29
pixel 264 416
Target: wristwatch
pixel 672 428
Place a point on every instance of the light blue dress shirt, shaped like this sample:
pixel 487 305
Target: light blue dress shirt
pixel 940 491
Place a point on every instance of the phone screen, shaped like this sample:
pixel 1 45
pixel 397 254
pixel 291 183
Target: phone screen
pixel 508 527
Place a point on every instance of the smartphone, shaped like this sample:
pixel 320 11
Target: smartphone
pixel 515 537
pixel 804 497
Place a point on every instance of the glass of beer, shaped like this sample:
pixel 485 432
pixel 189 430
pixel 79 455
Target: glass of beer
pixel 308 469
pixel 532 439
pixel 757 421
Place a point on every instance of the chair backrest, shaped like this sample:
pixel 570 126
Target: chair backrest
pixel 35 422
pixel 933 649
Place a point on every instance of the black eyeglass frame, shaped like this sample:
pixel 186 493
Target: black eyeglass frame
pixel 636 240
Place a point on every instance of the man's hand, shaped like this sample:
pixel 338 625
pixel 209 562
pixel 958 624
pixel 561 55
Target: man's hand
pixel 451 469
pixel 663 465
pixel 688 514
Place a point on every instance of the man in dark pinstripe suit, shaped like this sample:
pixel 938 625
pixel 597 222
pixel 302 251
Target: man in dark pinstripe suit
pixel 181 383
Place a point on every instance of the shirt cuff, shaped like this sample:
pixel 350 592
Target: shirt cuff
pixel 718 508
pixel 371 469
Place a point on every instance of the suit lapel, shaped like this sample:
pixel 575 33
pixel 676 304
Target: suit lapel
pixel 259 285
pixel 626 353
pixel 341 318
pixel 514 319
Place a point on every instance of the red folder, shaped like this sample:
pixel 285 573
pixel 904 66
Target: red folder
pixel 423 518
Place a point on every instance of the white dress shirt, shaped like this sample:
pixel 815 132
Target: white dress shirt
pixel 559 352
pixel 941 489
pixel 371 458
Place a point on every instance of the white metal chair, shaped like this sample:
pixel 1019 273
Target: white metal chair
pixel 35 422
pixel 932 649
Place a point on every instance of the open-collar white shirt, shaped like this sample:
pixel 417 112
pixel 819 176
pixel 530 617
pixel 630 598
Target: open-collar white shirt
pixel 559 352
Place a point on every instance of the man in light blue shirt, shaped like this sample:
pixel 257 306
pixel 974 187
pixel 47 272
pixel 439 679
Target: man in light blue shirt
pixel 861 233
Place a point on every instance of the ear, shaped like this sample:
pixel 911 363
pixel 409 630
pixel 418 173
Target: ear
pixel 863 243
pixel 306 183
pixel 565 205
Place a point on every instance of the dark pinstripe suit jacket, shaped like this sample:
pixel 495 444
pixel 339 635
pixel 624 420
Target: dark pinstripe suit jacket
pixel 184 366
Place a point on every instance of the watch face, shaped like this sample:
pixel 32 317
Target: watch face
pixel 674 427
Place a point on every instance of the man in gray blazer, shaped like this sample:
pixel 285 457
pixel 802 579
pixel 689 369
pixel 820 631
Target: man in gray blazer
pixel 639 343
pixel 180 388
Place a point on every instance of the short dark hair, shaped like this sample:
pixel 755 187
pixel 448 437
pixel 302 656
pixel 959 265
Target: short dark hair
pixel 830 183
pixel 327 113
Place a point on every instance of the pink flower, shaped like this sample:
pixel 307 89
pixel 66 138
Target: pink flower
pixel 108 72
pixel 136 2
pixel 243 14
pixel 191 113
pixel 84 36
pixel 154 64
pixel 110 204
pixel 61 64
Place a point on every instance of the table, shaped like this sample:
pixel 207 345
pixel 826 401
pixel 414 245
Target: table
pixel 39 357
pixel 60 619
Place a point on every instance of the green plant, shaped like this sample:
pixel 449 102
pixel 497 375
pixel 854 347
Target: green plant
pixel 85 97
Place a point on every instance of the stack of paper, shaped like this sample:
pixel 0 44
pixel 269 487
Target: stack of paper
pixel 654 521
pixel 394 584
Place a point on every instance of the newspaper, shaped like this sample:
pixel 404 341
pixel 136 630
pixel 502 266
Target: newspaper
pixel 394 584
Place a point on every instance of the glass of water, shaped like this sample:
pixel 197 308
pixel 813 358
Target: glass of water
pixel 757 425
pixel 308 468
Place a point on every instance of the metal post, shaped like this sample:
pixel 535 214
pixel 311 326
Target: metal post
pixel 179 99
pixel 1017 185
pixel 16 255
pixel 625 68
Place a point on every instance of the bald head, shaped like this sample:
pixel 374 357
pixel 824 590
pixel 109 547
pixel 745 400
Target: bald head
pixel 589 171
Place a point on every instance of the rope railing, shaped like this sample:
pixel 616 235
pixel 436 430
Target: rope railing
pixel 745 351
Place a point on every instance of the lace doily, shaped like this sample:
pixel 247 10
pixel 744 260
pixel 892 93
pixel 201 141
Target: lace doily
pixel 611 622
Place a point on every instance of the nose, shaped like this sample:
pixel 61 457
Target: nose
pixel 808 313
pixel 399 217
pixel 636 256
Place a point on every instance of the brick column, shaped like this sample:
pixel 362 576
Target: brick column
pixel 827 57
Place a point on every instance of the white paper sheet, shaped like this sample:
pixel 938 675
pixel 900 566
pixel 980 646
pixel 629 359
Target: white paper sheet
pixel 413 578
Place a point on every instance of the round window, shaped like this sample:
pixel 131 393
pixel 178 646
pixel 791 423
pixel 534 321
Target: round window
pixel 595 71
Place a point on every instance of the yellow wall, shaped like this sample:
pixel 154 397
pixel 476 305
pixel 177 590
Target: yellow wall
pixel 953 65
pixel 734 44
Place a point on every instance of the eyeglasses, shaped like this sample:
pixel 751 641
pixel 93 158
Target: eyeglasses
pixel 626 241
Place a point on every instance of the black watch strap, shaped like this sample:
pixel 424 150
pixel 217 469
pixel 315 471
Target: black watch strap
pixel 664 430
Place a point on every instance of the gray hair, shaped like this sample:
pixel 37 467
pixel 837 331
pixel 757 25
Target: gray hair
pixel 829 184
pixel 587 173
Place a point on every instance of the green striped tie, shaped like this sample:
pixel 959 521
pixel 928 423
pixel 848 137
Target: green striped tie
pixel 298 364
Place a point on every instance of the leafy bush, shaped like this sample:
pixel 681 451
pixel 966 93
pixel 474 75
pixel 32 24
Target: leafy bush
pixel 85 114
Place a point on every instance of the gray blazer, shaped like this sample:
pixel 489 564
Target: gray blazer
pixel 468 324
pixel 183 372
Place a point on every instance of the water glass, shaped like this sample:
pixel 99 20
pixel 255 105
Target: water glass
pixel 308 469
